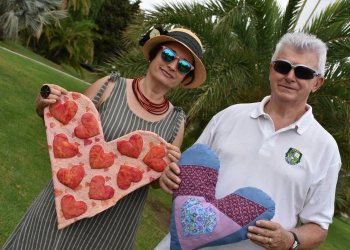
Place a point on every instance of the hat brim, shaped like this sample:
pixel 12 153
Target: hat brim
pixel 199 69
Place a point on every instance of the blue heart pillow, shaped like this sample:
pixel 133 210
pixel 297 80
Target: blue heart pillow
pixel 198 218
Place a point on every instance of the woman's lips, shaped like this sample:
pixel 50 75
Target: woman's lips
pixel 167 74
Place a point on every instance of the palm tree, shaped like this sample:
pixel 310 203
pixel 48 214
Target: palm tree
pixel 29 15
pixel 239 38
pixel 71 43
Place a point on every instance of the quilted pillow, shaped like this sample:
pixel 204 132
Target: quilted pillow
pixel 198 218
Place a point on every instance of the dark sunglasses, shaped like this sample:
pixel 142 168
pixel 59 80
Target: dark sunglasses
pixel 183 66
pixel 301 71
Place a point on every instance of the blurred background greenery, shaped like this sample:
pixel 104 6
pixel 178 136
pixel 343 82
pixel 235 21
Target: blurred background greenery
pixel 87 39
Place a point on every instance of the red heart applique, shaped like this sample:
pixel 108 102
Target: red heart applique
pixel 127 175
pixel 86 168
pixel 131 148
pixel 154 158
pixel 88 127
pixel 72 208
pixel 62 148
pixel 64 112
pixel 71 177
pixel 100 159
pixel 98 189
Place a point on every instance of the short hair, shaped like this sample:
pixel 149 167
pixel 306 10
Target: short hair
pixel 306 43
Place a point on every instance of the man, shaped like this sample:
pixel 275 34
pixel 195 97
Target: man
pixel 278 146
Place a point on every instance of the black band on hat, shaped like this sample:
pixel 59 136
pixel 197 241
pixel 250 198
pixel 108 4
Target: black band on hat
pixel 188 40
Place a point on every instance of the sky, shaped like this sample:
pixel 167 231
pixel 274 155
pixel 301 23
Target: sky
pixel 147 5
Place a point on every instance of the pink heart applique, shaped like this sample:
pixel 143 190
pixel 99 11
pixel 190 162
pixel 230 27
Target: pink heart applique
pixel 132 147
pixel 88 127
pixel 71 177
pixel 98 189
pixel 64 112
pixel 127 175
pixel 62 148
pixel 72 208
pixel 86 168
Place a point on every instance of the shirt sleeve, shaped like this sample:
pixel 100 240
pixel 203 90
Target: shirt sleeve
pixel 319 204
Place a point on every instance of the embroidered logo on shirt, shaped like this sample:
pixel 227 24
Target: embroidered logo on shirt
pixel 293 156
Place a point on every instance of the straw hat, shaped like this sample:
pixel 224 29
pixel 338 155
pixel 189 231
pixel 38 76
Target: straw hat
pixel 188 39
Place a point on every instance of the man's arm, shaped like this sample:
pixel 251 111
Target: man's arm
pixel 272 235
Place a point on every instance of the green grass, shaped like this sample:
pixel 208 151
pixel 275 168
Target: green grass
pixel 338 235
pixel 24 161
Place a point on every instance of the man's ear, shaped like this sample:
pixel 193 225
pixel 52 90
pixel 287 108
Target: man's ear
pixel 319 82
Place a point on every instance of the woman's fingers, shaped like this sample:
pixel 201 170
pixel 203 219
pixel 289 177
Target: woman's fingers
pixel 174 153
pixel 169 180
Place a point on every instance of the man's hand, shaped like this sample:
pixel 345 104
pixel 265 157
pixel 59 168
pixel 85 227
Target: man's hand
pixel 270 235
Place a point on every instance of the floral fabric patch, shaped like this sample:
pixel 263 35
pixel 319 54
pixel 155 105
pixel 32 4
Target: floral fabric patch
pixel 197 220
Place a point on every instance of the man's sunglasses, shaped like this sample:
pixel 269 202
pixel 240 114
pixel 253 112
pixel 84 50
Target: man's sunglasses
pixel 183 66
pixel 301 71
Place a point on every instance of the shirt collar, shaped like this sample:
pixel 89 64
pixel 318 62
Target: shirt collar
pixel 300 125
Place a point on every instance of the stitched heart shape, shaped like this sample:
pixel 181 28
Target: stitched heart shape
pixel 62 148
pixel 199 219
pixel 98 189
pixel 71 177
pixel 89 174
pixel 99 159
pixel 195 219
pixel 88 127
pixel 64 112
pixel 154 158
pixel 127 175
pixel 72 208
pixel 132 147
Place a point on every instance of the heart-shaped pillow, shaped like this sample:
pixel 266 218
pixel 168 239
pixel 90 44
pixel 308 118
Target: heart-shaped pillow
pixel 198 218
pixel 90 174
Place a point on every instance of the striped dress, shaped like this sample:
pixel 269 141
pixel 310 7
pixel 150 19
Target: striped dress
pixel 114 228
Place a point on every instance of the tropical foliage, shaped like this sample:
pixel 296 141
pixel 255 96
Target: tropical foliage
pixel 28 15
pixel 72 42
pixel 112 20
pixel 239 38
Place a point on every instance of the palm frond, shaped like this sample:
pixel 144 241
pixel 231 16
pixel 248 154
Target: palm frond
pixel 290 16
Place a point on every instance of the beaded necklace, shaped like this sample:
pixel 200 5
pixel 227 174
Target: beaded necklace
pixel 153 108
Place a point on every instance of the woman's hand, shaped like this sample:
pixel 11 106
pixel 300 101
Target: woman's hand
pixel 169 180
pixel 174 153
pixel 55 93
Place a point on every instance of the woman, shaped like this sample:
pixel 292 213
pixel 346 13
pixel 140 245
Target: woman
pixel 141 103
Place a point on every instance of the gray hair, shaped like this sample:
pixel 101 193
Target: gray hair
pixel 306 43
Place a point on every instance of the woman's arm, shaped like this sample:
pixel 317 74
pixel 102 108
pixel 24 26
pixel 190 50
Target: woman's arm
pixel 172 170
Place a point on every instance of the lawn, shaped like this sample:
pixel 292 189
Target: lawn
pixel 24 161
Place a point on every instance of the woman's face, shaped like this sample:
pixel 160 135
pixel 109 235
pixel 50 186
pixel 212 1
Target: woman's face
pixel 167 73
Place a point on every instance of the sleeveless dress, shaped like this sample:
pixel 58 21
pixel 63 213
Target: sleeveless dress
pixel 114 228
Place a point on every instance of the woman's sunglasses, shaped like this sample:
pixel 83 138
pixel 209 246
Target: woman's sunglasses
pixel 183 66
pixel 301 71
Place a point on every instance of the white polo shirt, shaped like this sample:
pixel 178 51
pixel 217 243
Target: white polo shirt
pixel 297 165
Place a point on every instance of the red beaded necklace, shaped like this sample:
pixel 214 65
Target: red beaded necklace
pixel 153 108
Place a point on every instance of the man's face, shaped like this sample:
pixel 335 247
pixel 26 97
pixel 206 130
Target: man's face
pixel 289 88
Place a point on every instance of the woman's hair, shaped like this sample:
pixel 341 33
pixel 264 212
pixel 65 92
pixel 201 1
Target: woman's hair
pixel 153 53
pixel 304 43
